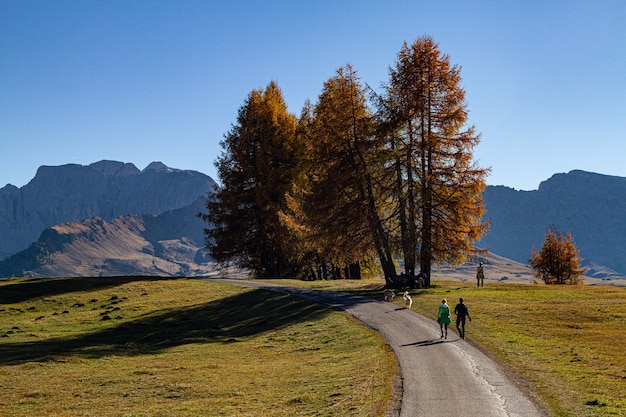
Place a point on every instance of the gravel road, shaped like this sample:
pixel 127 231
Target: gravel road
pixel 446 378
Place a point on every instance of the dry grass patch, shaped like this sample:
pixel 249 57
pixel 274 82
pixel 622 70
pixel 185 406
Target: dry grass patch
pixel 567 341
pixel 152 347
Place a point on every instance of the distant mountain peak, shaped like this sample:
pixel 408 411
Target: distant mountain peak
pixel 106 167
pixel 577 181
pixel 157 166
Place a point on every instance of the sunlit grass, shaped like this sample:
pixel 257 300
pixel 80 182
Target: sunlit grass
pixel 567 341
pixel 149 347
pixel 184 347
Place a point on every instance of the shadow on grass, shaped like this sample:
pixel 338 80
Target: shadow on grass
pixel 29 289
pixel 222 321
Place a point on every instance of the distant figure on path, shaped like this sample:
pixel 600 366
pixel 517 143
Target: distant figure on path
pixel 443 317
pixel 461 312
pixel 480 276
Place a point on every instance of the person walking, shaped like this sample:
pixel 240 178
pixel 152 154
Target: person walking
pixel 443 317
pixel 480 276
pixel 462 312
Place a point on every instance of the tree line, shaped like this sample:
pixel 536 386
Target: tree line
pixel 360 180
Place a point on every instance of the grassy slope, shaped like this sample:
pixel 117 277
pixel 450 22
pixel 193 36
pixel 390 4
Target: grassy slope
pixel 566 341
pixel 196 348
pixel 150 347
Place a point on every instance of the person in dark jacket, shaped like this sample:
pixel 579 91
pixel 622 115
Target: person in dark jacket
pixel 480 275
pixel 462 312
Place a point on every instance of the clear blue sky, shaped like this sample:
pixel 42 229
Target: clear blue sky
pixel 146 80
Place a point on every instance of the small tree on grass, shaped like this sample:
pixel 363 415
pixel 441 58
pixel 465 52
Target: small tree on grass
pixel 558 261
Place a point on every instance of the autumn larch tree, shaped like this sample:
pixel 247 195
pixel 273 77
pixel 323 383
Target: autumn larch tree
pixel 342 204
pixel 439 186
pixel 558 261
pixel 345 194
pixel 259 158
pixel 336 211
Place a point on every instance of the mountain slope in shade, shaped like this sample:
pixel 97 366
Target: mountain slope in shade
pixel 591 206
pixel 105 189
pixel 170 244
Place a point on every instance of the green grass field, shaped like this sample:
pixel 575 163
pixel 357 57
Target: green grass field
pixel 567 342
pixel 181 347
pixel 150 347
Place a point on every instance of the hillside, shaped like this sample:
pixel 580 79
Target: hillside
pixel 112 347
pixel 591 206
pixel 105 189
pixel 170 244
pixel 504 270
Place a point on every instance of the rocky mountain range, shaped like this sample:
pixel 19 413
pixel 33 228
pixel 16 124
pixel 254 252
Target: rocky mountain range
pixel 591 206
pixel 109 218
pixel 170 244
pixel 106 189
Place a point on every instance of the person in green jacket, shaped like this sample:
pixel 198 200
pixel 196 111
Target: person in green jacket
pixel 443 317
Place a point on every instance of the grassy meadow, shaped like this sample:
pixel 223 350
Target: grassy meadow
pixel 566 342
pixel 152 347
pixel 182 347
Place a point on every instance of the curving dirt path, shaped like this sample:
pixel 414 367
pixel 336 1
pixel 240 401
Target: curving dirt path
pixel 439 377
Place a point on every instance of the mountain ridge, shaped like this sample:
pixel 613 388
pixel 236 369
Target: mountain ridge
pixel 165 226
pixel 170 244
pixel 589 205
pixel 107 189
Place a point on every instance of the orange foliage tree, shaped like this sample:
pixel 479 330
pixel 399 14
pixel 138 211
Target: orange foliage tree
pixel 558 261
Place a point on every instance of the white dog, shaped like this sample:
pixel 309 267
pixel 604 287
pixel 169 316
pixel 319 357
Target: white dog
pixel 389 295
pixel 407 299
